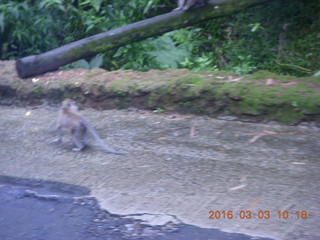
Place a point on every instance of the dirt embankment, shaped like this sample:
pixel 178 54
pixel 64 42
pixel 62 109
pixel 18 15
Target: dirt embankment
pixel 257 97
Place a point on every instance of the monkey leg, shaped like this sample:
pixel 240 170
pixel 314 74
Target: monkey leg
pixel 77 138
pixel 59 136
pixel 85 139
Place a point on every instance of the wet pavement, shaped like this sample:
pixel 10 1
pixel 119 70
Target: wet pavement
pixel 184 175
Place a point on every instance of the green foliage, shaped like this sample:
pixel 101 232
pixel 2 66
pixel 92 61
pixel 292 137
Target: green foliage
pixel 24 33
pixel 159 53
pixel 95 62
pixel 280 36
pixel 159 110
pixel 172 50
pixel 34 26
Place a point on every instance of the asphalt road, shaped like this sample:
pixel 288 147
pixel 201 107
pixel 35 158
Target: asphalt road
pixel 179 171
pixel 45 210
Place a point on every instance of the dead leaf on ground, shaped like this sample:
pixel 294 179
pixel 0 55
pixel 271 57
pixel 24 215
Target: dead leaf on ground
pixel 264 133
pixel 290 84
pixel 254 203
pixel 292 133
pixel 160 138
pixel 269 132
pixel 231 79
pixel 223 148
pixel 177 118
pixel 203 145
pixel 256 137
pixel 270 82
pixel 192 131
pixel 298 163
pixel 237 187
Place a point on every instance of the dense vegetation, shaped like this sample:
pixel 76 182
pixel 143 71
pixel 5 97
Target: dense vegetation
pixel 281 36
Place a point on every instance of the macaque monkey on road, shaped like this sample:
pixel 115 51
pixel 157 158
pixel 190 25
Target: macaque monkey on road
pixel 70 118
pixel 186 4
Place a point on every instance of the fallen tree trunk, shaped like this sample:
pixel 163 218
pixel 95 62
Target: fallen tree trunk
pixel 90 46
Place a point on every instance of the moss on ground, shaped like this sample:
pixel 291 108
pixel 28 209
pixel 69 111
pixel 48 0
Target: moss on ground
pixel 262 95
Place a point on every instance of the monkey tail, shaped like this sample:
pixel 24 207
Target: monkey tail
pixel 98 139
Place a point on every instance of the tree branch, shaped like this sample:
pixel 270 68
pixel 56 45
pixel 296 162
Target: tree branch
pixel 90 46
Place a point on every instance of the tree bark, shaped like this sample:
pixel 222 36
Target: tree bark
pixel 90 46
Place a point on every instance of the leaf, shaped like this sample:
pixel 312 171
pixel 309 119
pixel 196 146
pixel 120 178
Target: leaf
pixel 97 61
pixel 255 27
pixel 147 8
pixel 264 133
pixel 316 74
pixel 96 5
pixel 255 138
pixel 82 64
pixel 237 187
